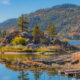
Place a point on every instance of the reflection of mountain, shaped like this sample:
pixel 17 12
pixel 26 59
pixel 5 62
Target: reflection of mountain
pixel 65 17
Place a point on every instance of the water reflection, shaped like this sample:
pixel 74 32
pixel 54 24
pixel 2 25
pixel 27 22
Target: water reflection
pixel 7 70
pixel 23 76
pixel 31 56
pixel 41 76
pixel 29 75
pixel 8 74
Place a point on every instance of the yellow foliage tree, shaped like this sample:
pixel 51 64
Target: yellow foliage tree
pixel 19 41
pixel 65 40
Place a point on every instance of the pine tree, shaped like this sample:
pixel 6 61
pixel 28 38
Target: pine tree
pixel 3 33
pixel 37 33
pixel 22 23
pixel 0 34
pixel 51 29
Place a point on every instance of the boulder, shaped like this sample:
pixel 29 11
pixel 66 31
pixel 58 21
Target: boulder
pixel 65 45
pixel 9 37
pixel 26 35
pixel 34 45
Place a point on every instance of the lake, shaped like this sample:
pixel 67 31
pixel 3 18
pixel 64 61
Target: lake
pixel 75 42
pixel 8 74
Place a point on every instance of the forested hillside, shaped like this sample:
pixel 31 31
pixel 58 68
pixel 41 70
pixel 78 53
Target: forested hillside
pixel 65 17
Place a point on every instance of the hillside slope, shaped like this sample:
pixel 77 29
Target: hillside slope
pixel 65 17
pixel 8 23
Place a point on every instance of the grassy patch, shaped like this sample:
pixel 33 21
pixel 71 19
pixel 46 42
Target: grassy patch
pixel 46 49
pixel 25 49
pixel 15 49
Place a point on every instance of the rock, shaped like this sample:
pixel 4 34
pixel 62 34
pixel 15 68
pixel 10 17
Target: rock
pixel 65 45
pixel 28 41
pixel 34 45
pixel 9 37
pixel 57 42
pixel 26 35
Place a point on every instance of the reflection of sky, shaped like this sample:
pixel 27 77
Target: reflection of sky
pixel 7 74
pixel 74 42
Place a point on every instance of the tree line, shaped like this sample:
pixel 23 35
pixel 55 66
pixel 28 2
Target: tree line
pixel 37 32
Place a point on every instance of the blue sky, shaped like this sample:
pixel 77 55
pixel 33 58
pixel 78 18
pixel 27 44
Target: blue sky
pixel 14 8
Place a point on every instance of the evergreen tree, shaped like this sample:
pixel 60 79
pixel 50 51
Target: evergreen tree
pixel 51 29
pixel 22 23
pixel 3 33
pixel 0 34
pixel 37 33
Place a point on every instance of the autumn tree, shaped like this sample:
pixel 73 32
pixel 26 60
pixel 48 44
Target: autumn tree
pixel 19 41
pixel 37 33
pixel 65 40
pixel 22 23
pixel 51 29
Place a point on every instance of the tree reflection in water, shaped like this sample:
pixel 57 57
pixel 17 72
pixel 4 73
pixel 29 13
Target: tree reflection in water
pixel 23 76
pixel 34 75
pixel 37 74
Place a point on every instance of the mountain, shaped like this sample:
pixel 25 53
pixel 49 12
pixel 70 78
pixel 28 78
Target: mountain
pixel 65 17
pixel 8 23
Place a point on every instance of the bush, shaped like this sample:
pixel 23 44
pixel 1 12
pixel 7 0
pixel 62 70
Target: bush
pixel 42 41
pixel 19 41
pixel 64 40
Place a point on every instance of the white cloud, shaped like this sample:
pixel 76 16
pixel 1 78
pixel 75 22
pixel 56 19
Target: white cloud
pixel 5 1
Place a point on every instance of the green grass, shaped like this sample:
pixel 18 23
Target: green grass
pixel 25 49
pixel 15 49
pixel 46 49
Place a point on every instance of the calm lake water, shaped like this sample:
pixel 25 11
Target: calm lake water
pixel 8 74
pixel 74 42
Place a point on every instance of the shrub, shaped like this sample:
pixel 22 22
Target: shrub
pixel 19 41
pixel 65 40
pixel 42 41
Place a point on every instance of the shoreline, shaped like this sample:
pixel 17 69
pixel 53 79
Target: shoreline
pixel 40 53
